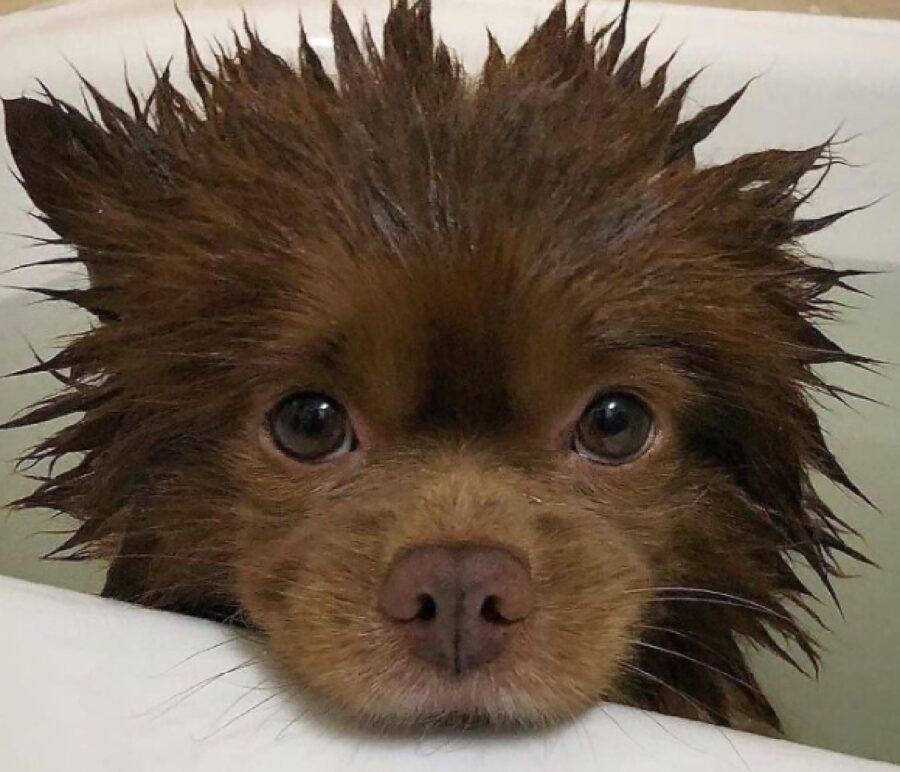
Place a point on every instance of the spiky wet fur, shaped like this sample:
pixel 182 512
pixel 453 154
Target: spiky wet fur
pixel 467 251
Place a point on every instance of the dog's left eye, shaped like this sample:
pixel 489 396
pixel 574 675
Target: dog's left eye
pixel 617 427
pixel 311 427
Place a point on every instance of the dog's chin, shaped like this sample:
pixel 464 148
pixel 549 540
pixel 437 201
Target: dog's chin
pixel 472 703
pixel 481 700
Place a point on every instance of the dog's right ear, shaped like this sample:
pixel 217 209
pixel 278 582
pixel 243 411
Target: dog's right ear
pixel 56 149
pixel 82 176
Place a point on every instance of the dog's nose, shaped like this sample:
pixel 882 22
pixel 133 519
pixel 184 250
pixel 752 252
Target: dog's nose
pixel 457 606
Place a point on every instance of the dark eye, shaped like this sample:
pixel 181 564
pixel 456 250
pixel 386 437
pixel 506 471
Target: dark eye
pixel 616 427
pixel 311 427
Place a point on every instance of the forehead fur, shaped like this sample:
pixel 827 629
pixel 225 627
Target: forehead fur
pixel 555 189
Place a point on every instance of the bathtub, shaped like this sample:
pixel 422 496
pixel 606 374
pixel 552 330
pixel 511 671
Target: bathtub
pixel 818 74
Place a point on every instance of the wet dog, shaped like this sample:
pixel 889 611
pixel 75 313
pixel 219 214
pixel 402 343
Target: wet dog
pixel 476 395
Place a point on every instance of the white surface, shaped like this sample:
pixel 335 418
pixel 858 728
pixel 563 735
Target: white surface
pixel 95 685
pixel 817 74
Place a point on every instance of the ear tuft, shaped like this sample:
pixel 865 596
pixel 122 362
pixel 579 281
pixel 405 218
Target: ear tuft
pixel 52 145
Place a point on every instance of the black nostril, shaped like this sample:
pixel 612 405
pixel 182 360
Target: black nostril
pixel 427 608
pixel 490 612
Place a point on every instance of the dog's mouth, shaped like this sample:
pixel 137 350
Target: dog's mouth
pixel 485 698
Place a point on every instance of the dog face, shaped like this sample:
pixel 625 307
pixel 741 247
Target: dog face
pixel 477 398
pixel 483 410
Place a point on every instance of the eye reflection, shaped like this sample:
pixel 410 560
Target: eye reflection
pixel 309 426
pixel 614 429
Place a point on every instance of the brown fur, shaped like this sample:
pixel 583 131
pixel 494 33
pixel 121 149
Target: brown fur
pixel 462 263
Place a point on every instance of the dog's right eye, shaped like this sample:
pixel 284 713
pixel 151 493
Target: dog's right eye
pixel 617 427
pixel 310 427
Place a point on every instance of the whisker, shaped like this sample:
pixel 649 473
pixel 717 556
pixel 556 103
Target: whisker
pixel 619 726
pixel 734 747
pixel 240 698
pixel 684 636
pixel 701 709
pixel 702 591
pixel 208 649
pixel 167 556
pixel 655 719
pixel 700 663
pixel 732 604
pixel 246 712
pixel 177 699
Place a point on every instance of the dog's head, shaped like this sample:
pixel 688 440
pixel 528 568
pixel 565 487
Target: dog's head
pixel 477 396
